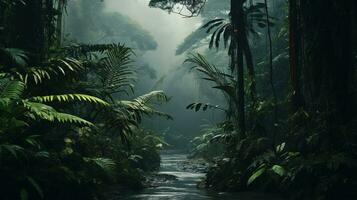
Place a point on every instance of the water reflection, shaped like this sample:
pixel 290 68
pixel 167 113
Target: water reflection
pixel 184 187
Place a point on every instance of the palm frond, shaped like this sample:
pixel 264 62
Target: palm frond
pixel 223 81
pixel 203 106
pixel 211 22
pixel 212 72
pixel 255 18
pixel 64 65
pixel 50 69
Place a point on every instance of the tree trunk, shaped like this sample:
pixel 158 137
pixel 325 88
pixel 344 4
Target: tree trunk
pixel 275 100
pixel 31 18
pixel 250 66
pixel 294 54
pixel 327 72
pixel 237 16
pixel 59 27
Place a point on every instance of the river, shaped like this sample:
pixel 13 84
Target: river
pixel 184 186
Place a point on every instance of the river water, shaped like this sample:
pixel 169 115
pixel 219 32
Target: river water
pixel 184 187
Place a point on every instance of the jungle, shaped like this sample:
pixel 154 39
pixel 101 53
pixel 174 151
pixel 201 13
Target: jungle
pixel 178 99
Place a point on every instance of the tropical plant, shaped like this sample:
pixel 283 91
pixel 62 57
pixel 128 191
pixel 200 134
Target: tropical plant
pixel 105 71
pixel 223 81
pixel 17 145
pixel 254 17
pixel 211 143
pixel 62 107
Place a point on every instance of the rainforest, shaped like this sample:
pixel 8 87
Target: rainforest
pixel 178 99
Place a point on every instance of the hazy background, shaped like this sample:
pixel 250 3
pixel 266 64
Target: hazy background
pixel 159 67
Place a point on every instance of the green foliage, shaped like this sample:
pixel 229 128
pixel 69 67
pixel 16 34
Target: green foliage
pixel 15 63
pixel 90 154
pixel 223 29
pixel 203 106
pixel 256 175
pixel 11 98
pixel 17 116
pixel 44 112
pixel 223 81
pixel 145 149
pixel 207 145
pixel 106 164
pixel 142 105
pixel 220 27
pixel 193 7
pixel 66 130
pixel 117 70
pixel 68 98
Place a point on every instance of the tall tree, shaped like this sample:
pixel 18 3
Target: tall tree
pixel 327 70
pixel 294 52
pixel 238 38
pixel 239 48
pixel 40 20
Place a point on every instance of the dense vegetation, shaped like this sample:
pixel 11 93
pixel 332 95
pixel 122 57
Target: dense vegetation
pixel 70 125
pixel 67 123
pixel 291 122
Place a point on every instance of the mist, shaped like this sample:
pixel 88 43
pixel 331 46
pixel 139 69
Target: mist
pixel 161 69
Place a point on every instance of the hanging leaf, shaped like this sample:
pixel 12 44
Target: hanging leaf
pixel 211 22
pixel 36 186
pixel 256 175
pixel 198 106
pixel 279 170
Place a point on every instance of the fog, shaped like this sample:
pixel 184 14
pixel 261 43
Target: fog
pixel 160 68
pixel 167 30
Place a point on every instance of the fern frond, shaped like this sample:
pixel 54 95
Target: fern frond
pixel 11 89
pixel 120 122
pixel 117 69
pixel 106 164
pixel 68 118
pixel 70 97
pixel 48 113
pixel 157 96
pixel 13 57
pixel 4 103
pixel 14 150
pixel 140 105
